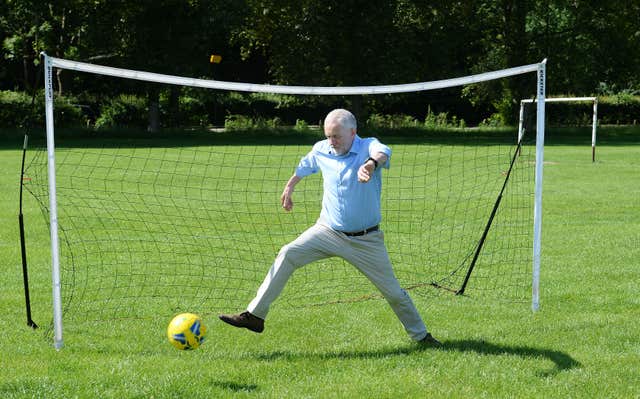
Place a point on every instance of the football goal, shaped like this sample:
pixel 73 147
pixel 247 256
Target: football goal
pixel 594 123
pixel 147 225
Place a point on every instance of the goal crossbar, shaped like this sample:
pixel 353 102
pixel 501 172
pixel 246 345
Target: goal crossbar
pixel 279 89
pixel 51 62
pixel 594 122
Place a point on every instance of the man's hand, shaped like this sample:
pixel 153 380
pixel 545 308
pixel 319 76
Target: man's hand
pixel 366 171
pixel 286 199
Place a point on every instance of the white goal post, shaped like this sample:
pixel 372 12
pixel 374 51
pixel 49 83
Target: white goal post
pixel 52 62
pixel 594 125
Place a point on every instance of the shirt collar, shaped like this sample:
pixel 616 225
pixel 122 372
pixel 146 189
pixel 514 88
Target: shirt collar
pixel 355 146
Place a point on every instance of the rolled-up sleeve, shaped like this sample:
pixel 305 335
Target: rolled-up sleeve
pixel 307 165
pixel 376 146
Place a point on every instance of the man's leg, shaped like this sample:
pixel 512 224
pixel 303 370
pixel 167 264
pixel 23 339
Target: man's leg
pixel 315 243
pixel 369 254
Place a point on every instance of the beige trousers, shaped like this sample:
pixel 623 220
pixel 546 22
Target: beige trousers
pixel 367 253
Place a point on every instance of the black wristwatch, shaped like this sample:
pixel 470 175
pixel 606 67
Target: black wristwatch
pixel 375 163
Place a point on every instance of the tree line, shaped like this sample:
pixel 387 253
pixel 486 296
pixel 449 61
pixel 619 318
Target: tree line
pixel 592 46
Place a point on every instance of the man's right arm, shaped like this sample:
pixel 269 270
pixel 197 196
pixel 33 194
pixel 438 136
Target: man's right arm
pixel 287 193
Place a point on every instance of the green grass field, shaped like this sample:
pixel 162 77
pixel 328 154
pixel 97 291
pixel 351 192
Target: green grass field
pixel 584 342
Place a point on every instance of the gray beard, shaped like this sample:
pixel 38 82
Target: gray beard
pixel 335 151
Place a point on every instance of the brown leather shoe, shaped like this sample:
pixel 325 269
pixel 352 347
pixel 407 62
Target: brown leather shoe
pixel 429 340
pixel 244 320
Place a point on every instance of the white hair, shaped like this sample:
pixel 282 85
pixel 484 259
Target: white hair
pixel 343 118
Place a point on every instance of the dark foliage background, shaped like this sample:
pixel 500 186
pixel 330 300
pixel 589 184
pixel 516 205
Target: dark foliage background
pixel 593 48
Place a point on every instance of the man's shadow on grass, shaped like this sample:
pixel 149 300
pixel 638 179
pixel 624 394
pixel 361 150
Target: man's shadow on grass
pixel 561 360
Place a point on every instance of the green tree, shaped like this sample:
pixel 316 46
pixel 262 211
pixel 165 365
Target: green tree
pixel 164 36
pixel 588 42
pixel 504 42
pixel 23 26
pixel 592 45
pixel 358 42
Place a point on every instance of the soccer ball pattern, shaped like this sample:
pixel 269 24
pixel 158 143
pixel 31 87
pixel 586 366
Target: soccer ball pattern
pixel 186 331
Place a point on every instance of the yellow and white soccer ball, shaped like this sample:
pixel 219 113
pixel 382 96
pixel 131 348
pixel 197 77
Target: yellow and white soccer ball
pixel 186 331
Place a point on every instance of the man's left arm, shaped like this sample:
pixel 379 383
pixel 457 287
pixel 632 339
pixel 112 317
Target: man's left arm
pixel 371 164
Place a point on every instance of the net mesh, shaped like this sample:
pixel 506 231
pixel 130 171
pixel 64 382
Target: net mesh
pixel 150 227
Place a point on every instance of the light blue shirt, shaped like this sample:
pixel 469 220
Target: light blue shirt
pixel 347 204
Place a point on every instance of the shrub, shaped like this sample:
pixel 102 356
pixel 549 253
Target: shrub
pixel 442 119
pixel 242 122
pixel 193 111
pixel 301 125
pixel 494 120
pixel 16 110
pixel 237 122
pixel 123 111
pixel 67 113
pixel 622 108
pixel 379 121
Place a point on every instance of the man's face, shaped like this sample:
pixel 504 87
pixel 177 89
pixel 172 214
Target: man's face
pixel 340 138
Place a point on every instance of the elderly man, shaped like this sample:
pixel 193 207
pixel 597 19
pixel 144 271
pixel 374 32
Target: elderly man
pixel 348 226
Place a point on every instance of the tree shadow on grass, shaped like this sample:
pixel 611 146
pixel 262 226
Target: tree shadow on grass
pixel 561 360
